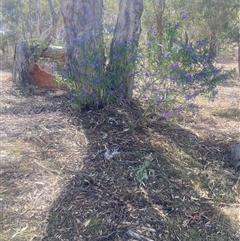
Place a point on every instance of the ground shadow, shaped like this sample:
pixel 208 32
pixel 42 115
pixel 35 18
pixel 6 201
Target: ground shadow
pixel 57 159
pixel 104 199
pixel 231 114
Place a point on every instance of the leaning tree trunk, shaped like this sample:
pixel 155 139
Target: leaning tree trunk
pixel 84 37
pixel 125 43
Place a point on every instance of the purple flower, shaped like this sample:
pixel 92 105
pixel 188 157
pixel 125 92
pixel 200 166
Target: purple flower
pixel 148 43
pixel 195 94
pixel 121 98
pixel 188 76
pixel 168 54
pixel 147 74
pixel 145 97
pixel 97 102
pixel 184 17
pixel 85 93
pixel 177 25
pixel 160 99
pixel 97 80
pixel 191 105
pixel 187 47
pixel 153 30
pixel 182 12
pixel 199 76
pixel 174 66
pixel 84 62
pixel 213 55
pixel 166 114
pixel 217 71
pixel 188 97
pixel 64 74
pixel 173 78
pixel 51 67
pixel 203 42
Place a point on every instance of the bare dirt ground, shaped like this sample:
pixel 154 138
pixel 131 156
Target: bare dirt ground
pixel 57 185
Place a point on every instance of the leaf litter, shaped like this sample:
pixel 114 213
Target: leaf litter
pixel 70 176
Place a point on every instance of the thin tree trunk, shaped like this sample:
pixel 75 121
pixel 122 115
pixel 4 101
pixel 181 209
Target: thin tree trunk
pixel 38 10
pixel 159 11
pixel 125 43
pixel 239 54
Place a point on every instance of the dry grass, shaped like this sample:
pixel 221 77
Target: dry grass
pixel 56 184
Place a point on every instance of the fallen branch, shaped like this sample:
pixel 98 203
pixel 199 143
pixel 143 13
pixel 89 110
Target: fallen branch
pixel 138 236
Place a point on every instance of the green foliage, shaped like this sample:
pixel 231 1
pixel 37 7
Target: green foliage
pixel 29 20
pixel 142 172
pixel 215 20
pixel 170 75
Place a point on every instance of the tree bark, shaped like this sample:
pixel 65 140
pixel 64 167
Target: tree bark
pixel 84 33
pixel 125 42
pixel 239 54
pixel 23 64
pixel 159 11
pixel 235 152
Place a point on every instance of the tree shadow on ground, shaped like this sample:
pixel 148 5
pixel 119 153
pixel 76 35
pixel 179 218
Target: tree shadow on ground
pixel 105 201
pixel 59 155
pixel 230 113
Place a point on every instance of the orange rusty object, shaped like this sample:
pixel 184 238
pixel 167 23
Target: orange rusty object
pixel 43 77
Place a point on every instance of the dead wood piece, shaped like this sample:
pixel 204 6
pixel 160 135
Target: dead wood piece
pixel 235 153
pixel 138 236
pixel 54 52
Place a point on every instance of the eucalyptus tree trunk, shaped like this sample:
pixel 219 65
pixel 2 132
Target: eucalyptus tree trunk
pixel 83 25
pixel 125 43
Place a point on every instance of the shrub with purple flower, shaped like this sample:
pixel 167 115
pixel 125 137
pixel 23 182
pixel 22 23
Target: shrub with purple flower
pixel 177 73
pixel 167 72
